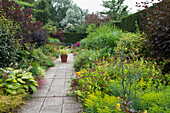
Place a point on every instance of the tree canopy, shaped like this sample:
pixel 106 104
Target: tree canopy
pixel 116 9
pixel 74 16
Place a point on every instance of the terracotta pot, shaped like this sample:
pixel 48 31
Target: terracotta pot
pixel 64 58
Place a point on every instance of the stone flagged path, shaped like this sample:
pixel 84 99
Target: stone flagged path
pixel 51 97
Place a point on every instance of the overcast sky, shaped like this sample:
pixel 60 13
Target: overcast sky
pixel 95 5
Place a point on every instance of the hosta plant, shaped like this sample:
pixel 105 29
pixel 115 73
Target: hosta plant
pixel 16 81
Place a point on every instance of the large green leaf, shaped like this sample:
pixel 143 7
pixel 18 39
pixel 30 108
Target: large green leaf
pixel 26 87
pixel 11 91
pixel 27 76
pixel 9 79
pixel 35 83
pixel 33 87
pixel 20 80
pixel 13 85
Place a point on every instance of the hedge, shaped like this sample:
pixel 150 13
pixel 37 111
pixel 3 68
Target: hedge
pixel 128 23
pixel 74 37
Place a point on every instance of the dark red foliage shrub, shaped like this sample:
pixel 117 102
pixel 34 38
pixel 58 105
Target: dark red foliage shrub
pixel 157 27
pixel 59 35
pixel 28 31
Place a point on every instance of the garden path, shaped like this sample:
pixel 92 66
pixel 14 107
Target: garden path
pixel 51 97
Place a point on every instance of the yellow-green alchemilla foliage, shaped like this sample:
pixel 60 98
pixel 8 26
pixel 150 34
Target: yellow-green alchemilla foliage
pixel 9 103
pixel 97 102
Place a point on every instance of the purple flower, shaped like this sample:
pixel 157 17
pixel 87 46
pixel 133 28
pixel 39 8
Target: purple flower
pixel 78 44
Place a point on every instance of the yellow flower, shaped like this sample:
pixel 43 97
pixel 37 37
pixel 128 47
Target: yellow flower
pixel 0 85
pixel 118 106
pixel 97 47
pixel 145 111
pixel 78 73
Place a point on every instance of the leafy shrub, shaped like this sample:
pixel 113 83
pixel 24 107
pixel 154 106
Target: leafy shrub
pixel 90 80
pixel 16 81
pixel 130 44
pixel 39 37
pixel 156 102
pixel 156 28
pixel 101 103
pixel 81 29
pixel 53 41
pixel 83 43
pixel 50 28
pixel 42 58
pixel 10 103
pixel 103 37
pixel 28 31
pixel 81 59
pixel 58 35
pixel 36 70
pixel 50 50
pixel 74 37
pixel 8 43
pixel 115 88
pixel 140 77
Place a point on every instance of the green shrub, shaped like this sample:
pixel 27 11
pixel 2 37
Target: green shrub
pixel 36 70
pixel 83 43
pixel 115 88
pixel 101 103
pixel 53 41
pixel 103 37
pixel 140 77
pixel 74 37
pixel 50 50
pixel 81 59
pixel 42 58
pixel 8 43
pixel 9 104
pixel 50 28
pixel 128 24
pixel 130 44
pixel 155 102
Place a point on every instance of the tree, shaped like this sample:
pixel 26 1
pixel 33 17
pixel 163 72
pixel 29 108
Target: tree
pixel 73 17
pixel 61 7
pixel 42 13
pixel 116 9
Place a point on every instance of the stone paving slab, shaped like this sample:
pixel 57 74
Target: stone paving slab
pixel 54 101
pixel 51 109
pixel 72 108
pixel 52 96
pixel 32 106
